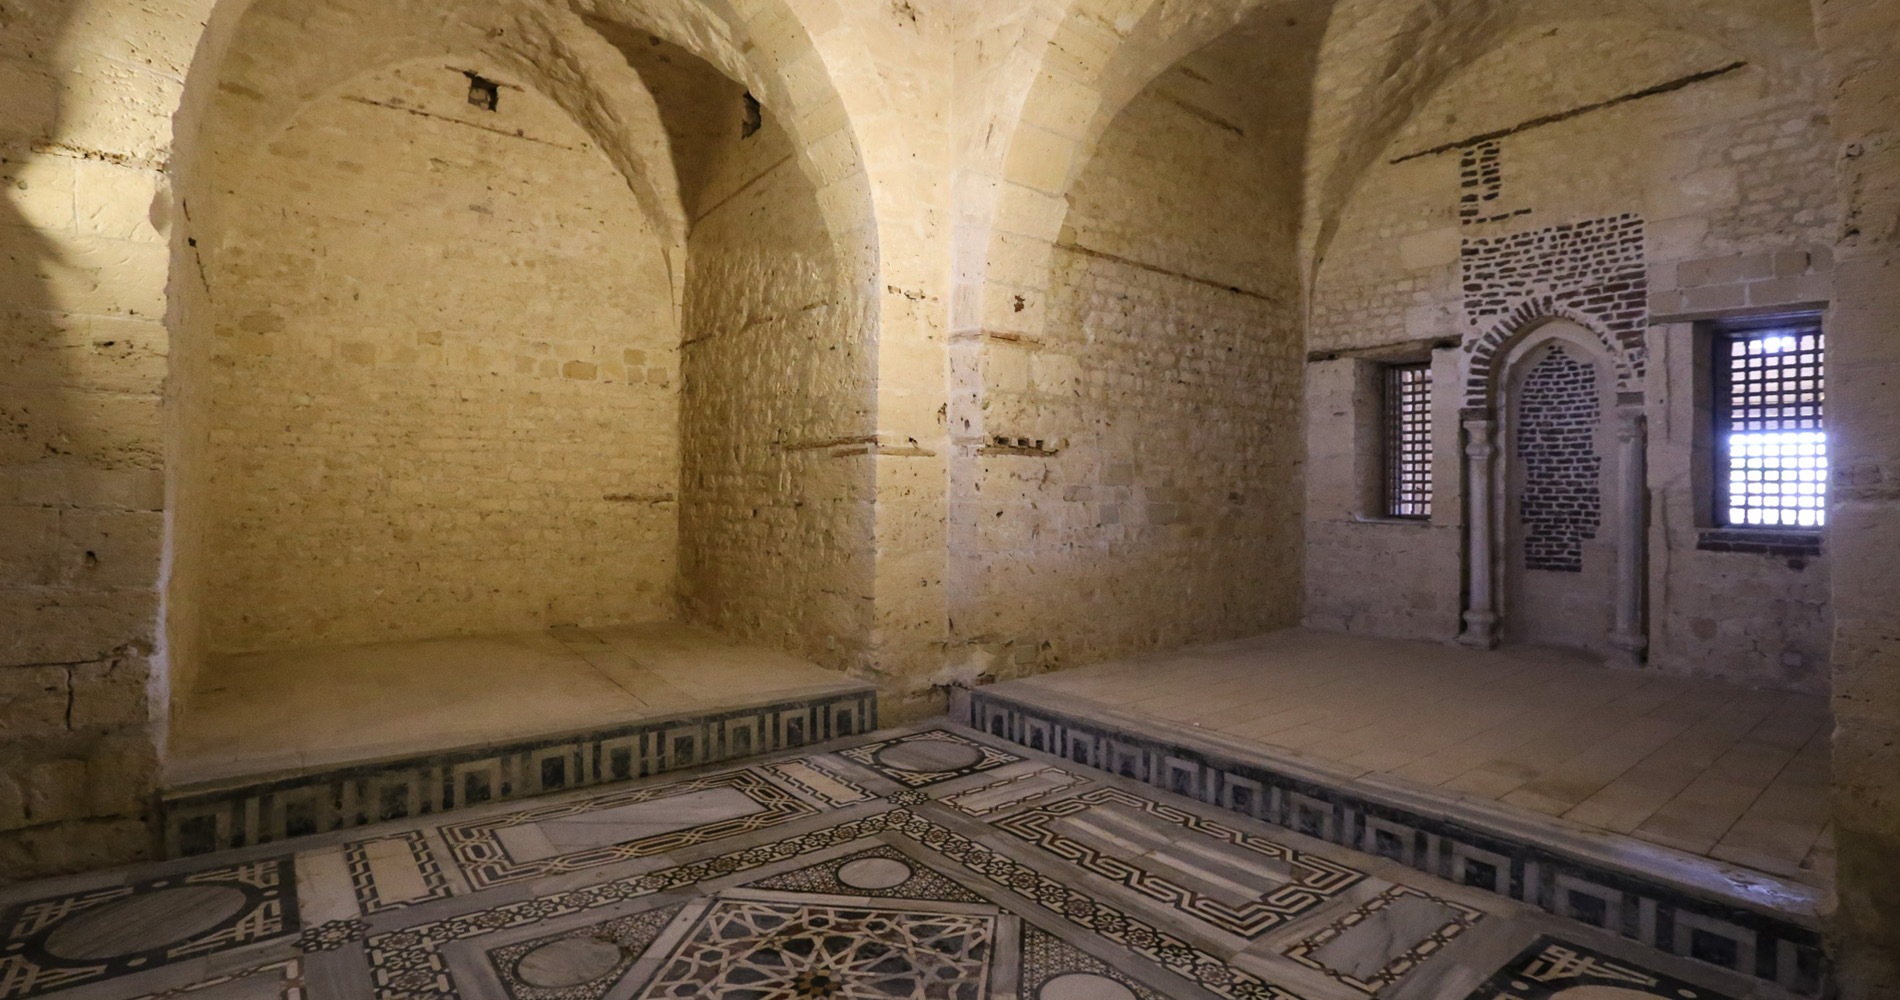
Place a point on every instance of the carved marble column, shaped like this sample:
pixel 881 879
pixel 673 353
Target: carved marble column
pixel 1630 636
pixel 1481 451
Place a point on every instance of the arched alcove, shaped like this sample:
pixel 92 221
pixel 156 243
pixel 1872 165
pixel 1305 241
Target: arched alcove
pixel 519 325
pixel 1558 483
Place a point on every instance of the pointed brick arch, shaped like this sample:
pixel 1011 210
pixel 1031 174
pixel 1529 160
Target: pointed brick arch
pixel 1489 352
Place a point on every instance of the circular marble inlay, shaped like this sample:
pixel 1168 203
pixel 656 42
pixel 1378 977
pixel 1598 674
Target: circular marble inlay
pixel 928 755
pixel 874 873
pixel 144 922
pixel 568 962
pixel 1084 986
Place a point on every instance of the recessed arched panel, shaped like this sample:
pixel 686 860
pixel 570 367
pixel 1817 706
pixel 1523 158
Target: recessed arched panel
pixel 1557 476
pixel 443 384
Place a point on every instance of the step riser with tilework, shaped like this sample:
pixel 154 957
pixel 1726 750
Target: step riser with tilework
pixel 1744 921
pixel 266 808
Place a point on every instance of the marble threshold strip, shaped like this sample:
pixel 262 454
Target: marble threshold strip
pixel 1732 917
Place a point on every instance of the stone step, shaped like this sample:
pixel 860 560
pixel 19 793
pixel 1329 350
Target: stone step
pixel 271 806
pixel 1750 922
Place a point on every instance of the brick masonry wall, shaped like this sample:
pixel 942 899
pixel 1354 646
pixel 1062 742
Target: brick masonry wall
pixel 1593 271
pixel 444 387
pixel 1561 502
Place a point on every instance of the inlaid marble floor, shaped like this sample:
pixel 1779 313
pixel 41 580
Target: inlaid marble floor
pixel 927 862
pixel 1727 772
pixel 261 712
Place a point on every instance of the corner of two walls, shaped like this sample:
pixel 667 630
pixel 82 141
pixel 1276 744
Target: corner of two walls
pixel 777 413
pixel 1135 486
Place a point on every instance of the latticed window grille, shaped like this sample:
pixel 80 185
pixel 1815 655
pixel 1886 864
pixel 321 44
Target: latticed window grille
pixel 1771 446
pixel 1408 441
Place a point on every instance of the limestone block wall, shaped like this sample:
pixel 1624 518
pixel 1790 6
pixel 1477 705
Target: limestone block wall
pixel 1343 444
pixel 82 362
pixel 777 412
pixel 1134 460
pixel 1672 151
pixel 444 382
pixel 103 570
pixel 1861 41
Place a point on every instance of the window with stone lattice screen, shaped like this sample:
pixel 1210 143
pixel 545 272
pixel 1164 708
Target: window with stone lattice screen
pixel 1407 462
pixel 1770 443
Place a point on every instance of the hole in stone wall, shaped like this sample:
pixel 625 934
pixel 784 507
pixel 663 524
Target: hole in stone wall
pixel 483 92
pixel 754 117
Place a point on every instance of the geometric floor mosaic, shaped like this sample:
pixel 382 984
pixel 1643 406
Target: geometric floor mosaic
pixel 918 863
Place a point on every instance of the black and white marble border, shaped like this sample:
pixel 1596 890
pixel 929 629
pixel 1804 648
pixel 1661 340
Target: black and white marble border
pixel 222 815
pixel 1646 906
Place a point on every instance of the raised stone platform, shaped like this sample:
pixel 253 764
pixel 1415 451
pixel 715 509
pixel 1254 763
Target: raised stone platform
pixel 1742 919
pixel 283 745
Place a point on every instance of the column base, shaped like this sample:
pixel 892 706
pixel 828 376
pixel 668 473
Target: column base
pixel 1481 630
pixel 1632 648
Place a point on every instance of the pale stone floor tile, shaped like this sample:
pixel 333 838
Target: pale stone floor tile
pixel 350 703
pixel 1595 767
pixel 1787 820
pixel 1701 814
pixel 1545 731
pixel 1493 781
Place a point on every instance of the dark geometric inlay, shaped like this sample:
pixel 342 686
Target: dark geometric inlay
pixel 750 950
pixel 480 848
pixel 581 964
pixel 823 878
pixel 1304 881
pixel 1047 957
pixel 928 757
pixel 1376 943
pixel 1550 966
pixel 63 941
pixel 408 964
pixel 369 898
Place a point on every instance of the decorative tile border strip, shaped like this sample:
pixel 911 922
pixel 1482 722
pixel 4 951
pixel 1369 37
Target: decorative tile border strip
pixel 1758 942
pixel 219 815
